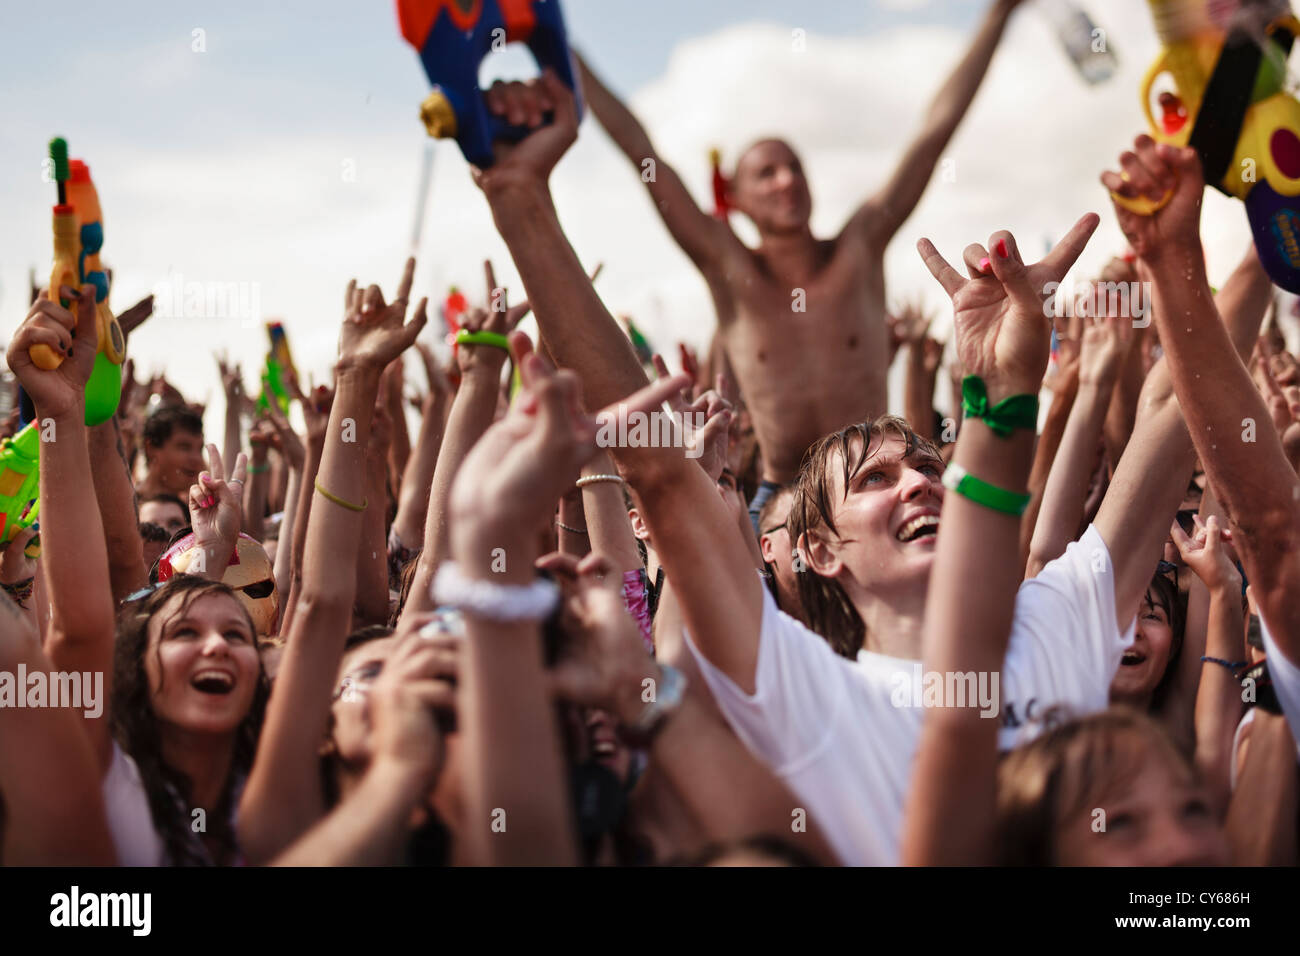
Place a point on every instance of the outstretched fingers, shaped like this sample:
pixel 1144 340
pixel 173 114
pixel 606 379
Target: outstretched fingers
pixel 948 277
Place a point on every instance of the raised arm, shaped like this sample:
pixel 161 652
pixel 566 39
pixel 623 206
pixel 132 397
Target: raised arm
pixel 49 775
pixel 472 410
pixel 1002 338
pixel 701 237
pixel 283 797
pixel 117 509
pixel 882 215
pixel 74 562
pixel 1253 480
pixel 1101 352
pixel 707 559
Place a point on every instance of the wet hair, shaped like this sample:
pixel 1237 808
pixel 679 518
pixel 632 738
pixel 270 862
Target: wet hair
pixel 827 607
pixel 138 729
pixel 1068 769
pixel 158 428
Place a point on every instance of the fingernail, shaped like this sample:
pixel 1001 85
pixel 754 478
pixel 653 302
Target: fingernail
pixel 1002 248
pixel 985 265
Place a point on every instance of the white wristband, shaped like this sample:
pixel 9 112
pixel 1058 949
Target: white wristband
pixel 497 602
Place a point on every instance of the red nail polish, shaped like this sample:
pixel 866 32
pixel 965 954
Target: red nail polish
pixel 985 264
pixel 1002 248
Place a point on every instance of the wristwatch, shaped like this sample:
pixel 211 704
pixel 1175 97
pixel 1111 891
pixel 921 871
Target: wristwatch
pixel 669 692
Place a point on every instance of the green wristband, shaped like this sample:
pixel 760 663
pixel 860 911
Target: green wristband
pixel 257 469
pixel 1017 411
pixel 495 339
pixel 958 479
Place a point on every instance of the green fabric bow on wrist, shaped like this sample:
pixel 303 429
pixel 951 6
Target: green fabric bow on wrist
pixel 1016 411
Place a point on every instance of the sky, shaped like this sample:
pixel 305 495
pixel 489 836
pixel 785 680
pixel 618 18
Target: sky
pixel 271 151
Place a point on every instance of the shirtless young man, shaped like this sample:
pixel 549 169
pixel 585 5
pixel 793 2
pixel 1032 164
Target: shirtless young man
pixel 803 374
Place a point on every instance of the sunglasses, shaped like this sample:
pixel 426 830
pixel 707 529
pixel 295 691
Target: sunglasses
pixel 1169 570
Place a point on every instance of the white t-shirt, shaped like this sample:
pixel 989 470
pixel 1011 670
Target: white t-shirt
pixel 842 734
pixel 1286 681
pixel 129 819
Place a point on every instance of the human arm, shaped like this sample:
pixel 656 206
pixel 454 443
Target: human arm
pixel 1252 479
pixel 413 499
pixel 49 773
pixel 881 216
pixel 117 509
pixel 74 556
pixel 702 237
pixel 283 796
pixel 1004 339
pixel 1101 352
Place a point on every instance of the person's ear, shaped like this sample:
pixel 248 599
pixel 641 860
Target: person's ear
pixel 819 555
pixel 765 546
pixel 639 530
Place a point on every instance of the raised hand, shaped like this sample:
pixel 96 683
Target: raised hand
pixel 374 332
pixel 56 392
pixel 605 664
pixel 910 322
pixel 1151 170
pixel 531 160
pixel 1102 350
pixel 523 464
pixel 408 692
pixel 499 304
pixel 708 442
pixel 130 319
pixel 999 314
pixel 1205 553
pixel 216 504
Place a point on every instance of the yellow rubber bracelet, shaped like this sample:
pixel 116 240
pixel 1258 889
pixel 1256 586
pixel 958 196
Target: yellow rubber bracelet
pixel 340 502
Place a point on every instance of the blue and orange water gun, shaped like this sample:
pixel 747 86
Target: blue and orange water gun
pixel 453 37
pixel 1230 105
pixel 78 239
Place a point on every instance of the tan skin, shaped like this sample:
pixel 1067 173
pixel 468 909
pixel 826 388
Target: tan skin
pixel 809 372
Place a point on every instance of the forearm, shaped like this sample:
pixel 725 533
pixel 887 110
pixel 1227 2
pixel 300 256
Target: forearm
pixel 370 828
pixel 1253 479
pixel 417 483
pixel 399 450
pixel 1218 698
pixel 283 796
pixel 579 331
pixel 1058 414
pixel 117 509
pixel 514 770
pixel 74 553
pixel 623 128
pixel 608 527
pixel 284 550
pixel 1122 413
pixel 967 626
pixel 576 542
pixel 255 495
pixel 231 436
pixel 1067 482
pixel 472 412
pixel 918 393
pixel 1261 821
pixel 371 606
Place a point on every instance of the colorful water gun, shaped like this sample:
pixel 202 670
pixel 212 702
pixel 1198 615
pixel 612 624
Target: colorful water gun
pixel 19 476
pixel 278 361
pixel 78 239
pixel 453 37
pixel 1229 104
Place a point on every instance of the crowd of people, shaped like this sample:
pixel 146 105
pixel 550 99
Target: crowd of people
pixel 804 632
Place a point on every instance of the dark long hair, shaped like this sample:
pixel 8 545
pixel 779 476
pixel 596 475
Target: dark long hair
pixel 138 731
